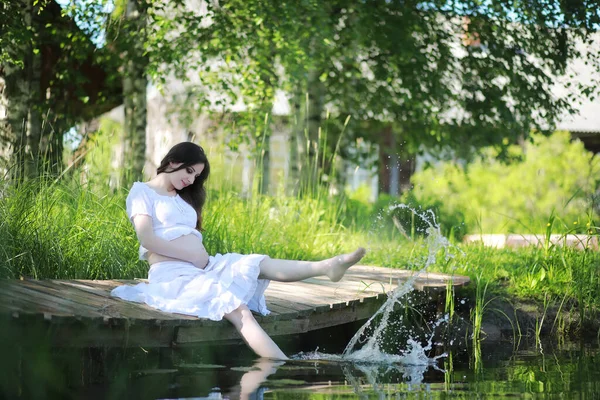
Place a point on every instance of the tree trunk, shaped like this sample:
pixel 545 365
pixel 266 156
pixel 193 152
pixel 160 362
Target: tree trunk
pixel 263 148
pixel 384 168
pixel 407 164
pixel 21 125
pixel 396 164
pixel 135 82
pixel 5 129
pixel 51 143
pixel 394 168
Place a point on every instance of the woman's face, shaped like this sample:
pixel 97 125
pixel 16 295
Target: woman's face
pixel 185 176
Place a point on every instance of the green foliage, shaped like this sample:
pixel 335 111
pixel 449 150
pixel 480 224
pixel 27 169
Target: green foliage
pixel 101 171
pixel 281 227
pixel 564 278
pixel 54 75
pixel 396 218
pixel 408 64
pixel 14 31
pixel 549 177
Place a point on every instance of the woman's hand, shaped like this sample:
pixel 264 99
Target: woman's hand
pixel 187 248
pixel 198 254
pixel 200 262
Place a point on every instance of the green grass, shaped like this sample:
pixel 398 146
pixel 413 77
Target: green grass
pixel 66 230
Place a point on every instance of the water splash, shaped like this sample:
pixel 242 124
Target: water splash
pixel 410 360
pixel 414 353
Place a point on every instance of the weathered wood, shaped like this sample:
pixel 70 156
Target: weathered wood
pixel 82 312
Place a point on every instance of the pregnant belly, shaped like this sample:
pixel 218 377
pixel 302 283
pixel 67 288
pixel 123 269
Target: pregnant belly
pixel 188 241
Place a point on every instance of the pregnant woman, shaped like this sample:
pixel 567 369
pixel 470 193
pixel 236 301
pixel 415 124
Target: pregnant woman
pixel 166 213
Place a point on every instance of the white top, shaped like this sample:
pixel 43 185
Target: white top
pixel 172 217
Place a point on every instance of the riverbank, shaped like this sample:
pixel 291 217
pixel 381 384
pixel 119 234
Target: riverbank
pixel 530 291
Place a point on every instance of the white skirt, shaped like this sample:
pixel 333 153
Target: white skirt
pixel 227 282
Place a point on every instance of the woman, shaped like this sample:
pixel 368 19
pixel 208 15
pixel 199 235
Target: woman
pixel 166 213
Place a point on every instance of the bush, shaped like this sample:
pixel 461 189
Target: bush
pixel 553 176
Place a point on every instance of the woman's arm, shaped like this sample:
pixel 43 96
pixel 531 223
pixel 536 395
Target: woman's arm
pixel 186 250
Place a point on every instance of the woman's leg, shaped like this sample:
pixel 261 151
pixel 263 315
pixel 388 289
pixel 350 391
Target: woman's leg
pixel 292 271
pixel 252 333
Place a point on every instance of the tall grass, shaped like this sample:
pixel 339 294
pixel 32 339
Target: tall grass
pixel 52 229
pixel 63 229
pixel 66 230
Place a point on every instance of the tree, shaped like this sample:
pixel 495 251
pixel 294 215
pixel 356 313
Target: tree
pixel 128 30
pixel 433 75
pixel 463 76
pixel 54 76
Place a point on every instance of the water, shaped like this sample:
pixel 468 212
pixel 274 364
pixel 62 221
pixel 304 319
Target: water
pixel 495 370
pixel 372 345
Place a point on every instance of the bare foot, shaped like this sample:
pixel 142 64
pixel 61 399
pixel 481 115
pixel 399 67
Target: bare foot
pixel 338 265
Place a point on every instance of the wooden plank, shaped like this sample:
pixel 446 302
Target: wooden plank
pixel 28 303
pixel 38 294
pixel 89 286
pixel 318 295
pixel 103 290
pixel 353 285
pixel 64 306
pixel 280 311
pixel 424 280
pixel 333 317
pixel 308 294
pixel 82 312
pixel 313 293
pixel 292 308
pixel 109 306
pixel 20 307
pixel 113 308
pixel 300 296
pixel 92 287
pixel 108 284
pixel 51 295
pixel 345 291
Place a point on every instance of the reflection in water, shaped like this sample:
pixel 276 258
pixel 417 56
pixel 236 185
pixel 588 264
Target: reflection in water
pixel 568 373
pixel 250 383
pixel 231 372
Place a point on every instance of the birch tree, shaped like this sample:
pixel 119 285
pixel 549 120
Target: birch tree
pixel 129 34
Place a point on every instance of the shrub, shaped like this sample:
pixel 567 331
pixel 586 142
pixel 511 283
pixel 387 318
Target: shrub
pixel 553 176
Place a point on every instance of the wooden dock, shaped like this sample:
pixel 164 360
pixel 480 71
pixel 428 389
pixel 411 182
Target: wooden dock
pixel 82 313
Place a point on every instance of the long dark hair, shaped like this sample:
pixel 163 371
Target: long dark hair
pixel 188 153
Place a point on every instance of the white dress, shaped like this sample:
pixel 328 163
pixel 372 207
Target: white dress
pixel 228 281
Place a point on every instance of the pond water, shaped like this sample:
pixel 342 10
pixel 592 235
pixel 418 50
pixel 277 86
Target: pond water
pixel 492 370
